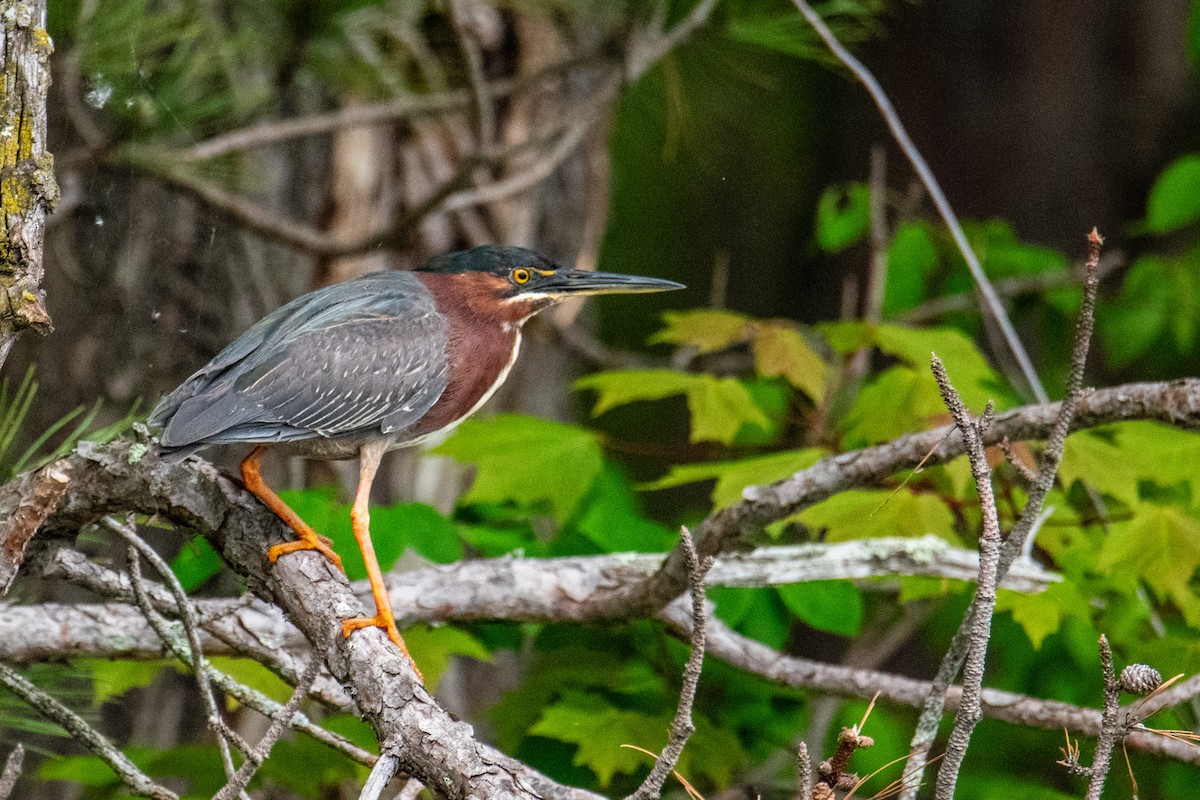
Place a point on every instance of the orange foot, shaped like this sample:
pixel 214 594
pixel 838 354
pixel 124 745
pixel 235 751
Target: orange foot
pixel 387 624
pixel 309 541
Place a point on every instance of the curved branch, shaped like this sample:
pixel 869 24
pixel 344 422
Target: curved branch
pixel 1175 403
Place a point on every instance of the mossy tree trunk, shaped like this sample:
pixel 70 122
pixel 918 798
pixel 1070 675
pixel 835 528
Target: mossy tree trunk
pixel 28 191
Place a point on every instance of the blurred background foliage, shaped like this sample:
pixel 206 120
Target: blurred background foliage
pixel 739 165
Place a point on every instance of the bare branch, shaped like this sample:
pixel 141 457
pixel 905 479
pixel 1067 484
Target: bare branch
pixel 281 722
pixel 27 501
pixel 13 766
pixel 1072 407
pixel 481 99
pixel 1175 403
pixel 138 783
pixel 381 775
pixel 649 44
pixel 188 654
pixel 980 612
pixel 682 727
pixel 803 673
pixel 991 300
pixel 1110 728
pixel 804 777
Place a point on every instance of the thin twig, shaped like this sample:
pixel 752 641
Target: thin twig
pixel 970 709
pixel 682 727
pixel 804 776
pixel 13 766
pixel 243 694
pixel 992 301
pixel 481 98
pixel 137 781
pixel 196 658
pixel 650 44
pixel 931 713
pixel 381 775
pixel 1110 729
pixel 281 722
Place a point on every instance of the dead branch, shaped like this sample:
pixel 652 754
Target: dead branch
pixel 984 605
pixel 256 755
pixel 803 673
pixel 1175 403
pixel 682 727
pixel 137 781
pixel 13 766
pixel 26 501
pixel 1071 407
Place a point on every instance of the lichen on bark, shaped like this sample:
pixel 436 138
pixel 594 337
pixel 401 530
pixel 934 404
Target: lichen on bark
pixel 28 191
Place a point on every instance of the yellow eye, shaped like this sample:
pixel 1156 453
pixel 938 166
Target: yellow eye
pixel 520 275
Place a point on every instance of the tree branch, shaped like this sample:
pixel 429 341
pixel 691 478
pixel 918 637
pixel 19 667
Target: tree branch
pixel 682 727
pixel 85 734
pixel 1176 403
pixel 802 673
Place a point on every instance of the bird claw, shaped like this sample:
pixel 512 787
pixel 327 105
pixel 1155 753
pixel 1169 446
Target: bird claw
pixel 388 626
pixel 322 544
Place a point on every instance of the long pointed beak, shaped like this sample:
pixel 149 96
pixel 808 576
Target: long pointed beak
pixel 577 281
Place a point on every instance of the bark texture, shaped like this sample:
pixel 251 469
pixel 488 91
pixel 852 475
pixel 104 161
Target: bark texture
pixel 28 191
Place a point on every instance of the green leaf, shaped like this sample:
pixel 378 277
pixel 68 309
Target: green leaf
pixel 196 563
pixel 598 730
pixel 912 257
pixel 1119 459
pixel 833 606
pixel 757 613
pixel 611 519
pixel 1160 544
pixel 871 513
pixel 734 476
pixel 434 647
pixel 1132 323
pixel 705 329
pixel 416 526
pixel 973 376
pixel 900 400
pixel 111 679
pixel 523 459
pixel 1094 459
pixel 785 33
pixel 1175 197
pixel 1042 614
pixel 843 216
pixel 781 351
pixel 1004 255
pixel 719 406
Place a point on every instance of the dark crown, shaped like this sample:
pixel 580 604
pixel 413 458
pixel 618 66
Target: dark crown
pixel 493 258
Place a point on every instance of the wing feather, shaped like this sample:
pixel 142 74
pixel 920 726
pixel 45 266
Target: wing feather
pixel 362 356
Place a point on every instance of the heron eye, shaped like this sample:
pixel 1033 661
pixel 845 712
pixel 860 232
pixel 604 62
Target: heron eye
pixel 520 275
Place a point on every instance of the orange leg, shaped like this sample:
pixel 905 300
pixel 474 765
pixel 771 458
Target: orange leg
pixel 360 520
pixel 309 539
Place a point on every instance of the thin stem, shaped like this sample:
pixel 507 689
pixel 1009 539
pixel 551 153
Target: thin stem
pixel 991 300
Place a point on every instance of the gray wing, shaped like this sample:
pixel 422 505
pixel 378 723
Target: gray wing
pixel 363 356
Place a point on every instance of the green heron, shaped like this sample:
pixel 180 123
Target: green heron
pixel 379 362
